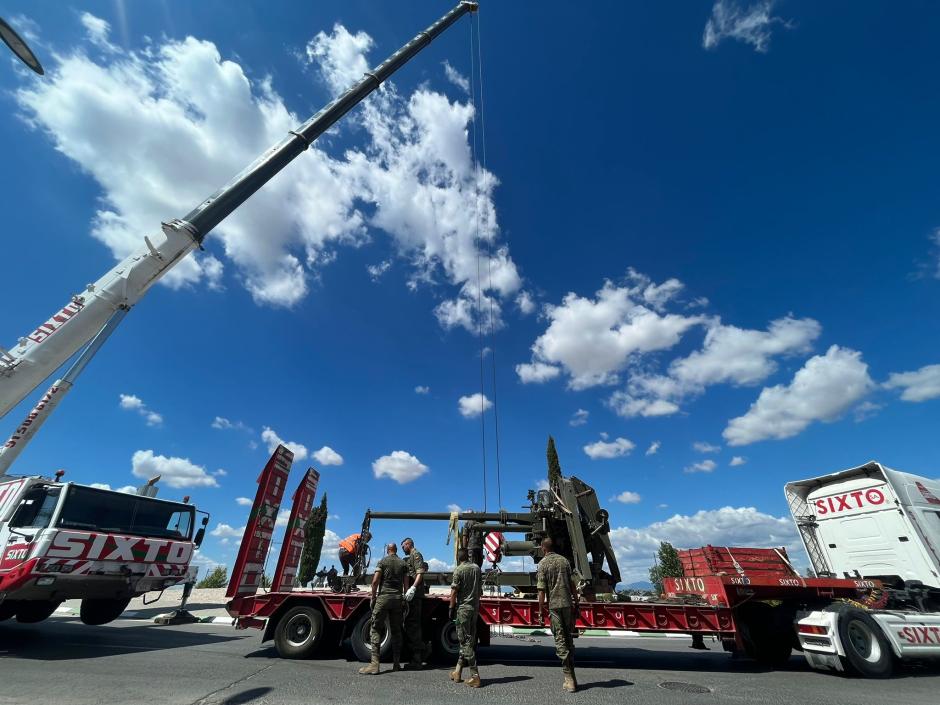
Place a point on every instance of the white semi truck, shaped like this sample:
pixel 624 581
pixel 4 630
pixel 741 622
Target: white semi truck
pixel 871 523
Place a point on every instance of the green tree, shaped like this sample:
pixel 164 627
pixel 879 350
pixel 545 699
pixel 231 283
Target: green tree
pixel 218 578
pixel 554 467
pixel 667 565
pixel 265 582
pixel 313 542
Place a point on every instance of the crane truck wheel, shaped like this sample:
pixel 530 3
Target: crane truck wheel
pixel 32 611
pixel 359 639
pixel 299 633
pixel 8 609
pixel 96 611
pixel 867 651
pixel 444 644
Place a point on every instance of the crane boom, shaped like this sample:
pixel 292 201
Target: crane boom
pixel 38 354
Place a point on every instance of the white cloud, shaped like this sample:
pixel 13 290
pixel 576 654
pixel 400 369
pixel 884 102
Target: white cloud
pixel 536 372
pixel 457 78
pixel 421 389
pixel 131 402
pixel 704 466
pixel 593 340
pixel 525 303
pixel 244 501
pixel 541 485
pixel 737 461
pixel 225 531
pixel 728 526
pixel 328 456
pixel 752 25
pixel 436 565
pixel 729 355
pixel 918 385
pixel 283 517
pixel 662 506
pixel 223 424
pixel 654 448
pixel 579 418
pixel 473 405
pixel 127 489
pixel 270 438
pixel 606 450
pixel 400 466
pixel 703 447
pixel 627 497
pixel 377 270
pixel 220 472
pixel 126 121
pixel 97 30
pixel 175 472
pixel 822 390
pixel 453 508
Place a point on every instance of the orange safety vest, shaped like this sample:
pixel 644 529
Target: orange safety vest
pixel 349 543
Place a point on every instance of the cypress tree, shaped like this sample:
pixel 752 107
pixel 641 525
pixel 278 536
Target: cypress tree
pixel 554 467
pixel 667 565
pixel 313 542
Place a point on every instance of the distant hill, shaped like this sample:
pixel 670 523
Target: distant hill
pixel 638 585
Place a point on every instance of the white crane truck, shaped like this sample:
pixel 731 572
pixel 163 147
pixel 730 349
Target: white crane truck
pixel 878 526
pixel 64 540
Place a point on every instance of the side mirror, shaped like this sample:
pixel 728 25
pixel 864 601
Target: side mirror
pixel 201 533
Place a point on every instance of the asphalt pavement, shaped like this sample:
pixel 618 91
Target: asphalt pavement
pixel 64 662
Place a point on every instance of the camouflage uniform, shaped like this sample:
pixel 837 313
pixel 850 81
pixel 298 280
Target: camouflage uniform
pixel 412 627
pixel 388 603
pixel 467 583
pixel 554 578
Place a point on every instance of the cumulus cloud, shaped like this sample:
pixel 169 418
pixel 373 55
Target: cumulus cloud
pixel 704 466
pixel 594 339
pixel 400 466
pixel 223 424
pixel 175 472
pixel 244 501
pixel 737 461
pixel 473 405
pixel 525 303
pixel 627 497
pixel 127 489
pixel 654 448
pixel 579 418
pixel 162 127
pixel 729 355
pixel 377 270
pixel 752 24
pixel 328 456
pixel 225 531
pixel 97 30
pixel 822 390
pixel 270 438
pixel 421 389
pixel 457 78
pixel 728 526
pixel 702 447
pixel 609 449
pixel 918 385
pixel 130 402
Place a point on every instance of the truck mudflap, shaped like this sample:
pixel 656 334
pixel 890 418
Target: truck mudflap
pixel 819 639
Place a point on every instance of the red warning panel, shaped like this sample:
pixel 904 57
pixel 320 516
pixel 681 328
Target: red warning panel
pixel 293 545
pixel 249 566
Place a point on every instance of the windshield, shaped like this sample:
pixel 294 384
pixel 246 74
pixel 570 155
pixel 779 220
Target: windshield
pixel 36 508
pixel 91 509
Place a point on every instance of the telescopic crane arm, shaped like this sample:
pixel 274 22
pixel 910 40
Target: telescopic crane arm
pixel 41 352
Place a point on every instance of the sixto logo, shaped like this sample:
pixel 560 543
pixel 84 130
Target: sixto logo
pixel 850 501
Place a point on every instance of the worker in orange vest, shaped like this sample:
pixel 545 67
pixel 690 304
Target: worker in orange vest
pixel 349 549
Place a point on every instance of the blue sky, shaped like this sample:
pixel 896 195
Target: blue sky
pixel 706 223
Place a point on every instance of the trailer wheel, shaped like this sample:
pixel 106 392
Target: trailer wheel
pixel 101 611
pixel 299 632
pixel 767 635
pixel 8 609
pixel 867 652
pixel 32 611
pixel 445 645
pixel 360 638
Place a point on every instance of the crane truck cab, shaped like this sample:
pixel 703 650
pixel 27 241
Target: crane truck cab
pixel 63 540
pixel 881 527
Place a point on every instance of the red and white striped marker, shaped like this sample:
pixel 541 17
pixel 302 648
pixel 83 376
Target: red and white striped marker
pixel 492 545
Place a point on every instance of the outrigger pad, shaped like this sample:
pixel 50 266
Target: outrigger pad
pixel 176 617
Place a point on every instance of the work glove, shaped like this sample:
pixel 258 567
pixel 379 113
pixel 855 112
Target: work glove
pixel 410 594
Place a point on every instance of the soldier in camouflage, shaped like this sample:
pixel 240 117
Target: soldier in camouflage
pixel 464 608
pixel 388 583
pixel 412 627
pixel 555 578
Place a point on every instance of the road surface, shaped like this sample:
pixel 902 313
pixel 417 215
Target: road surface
pixel 64 662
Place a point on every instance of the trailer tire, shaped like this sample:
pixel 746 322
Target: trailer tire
pixel 8 609
pixel 299 632
pixel 360 636
pixel 96 612
pixel 767 634
pixel 444 645
pixel 33 611
pixel 867 651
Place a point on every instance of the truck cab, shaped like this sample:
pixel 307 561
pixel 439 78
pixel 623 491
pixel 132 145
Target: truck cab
pixel 63 541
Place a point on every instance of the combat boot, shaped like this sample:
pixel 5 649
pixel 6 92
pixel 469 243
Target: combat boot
pixel 570 685
pixel 474 680
pixel 457 673
pixel 396 661
pixel 373 668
